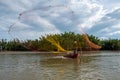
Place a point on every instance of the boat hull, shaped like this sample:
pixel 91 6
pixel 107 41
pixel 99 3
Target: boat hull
pixel 71 55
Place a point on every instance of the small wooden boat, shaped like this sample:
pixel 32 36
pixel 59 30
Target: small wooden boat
pixel 71 55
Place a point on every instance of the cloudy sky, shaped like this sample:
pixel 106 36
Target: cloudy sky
pixel 31 18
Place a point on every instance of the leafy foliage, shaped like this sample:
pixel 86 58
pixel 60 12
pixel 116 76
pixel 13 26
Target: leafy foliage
pixel 65 40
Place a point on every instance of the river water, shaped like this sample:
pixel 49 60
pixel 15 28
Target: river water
pixel 93 65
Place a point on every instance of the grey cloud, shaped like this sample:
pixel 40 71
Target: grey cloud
pixel 105 25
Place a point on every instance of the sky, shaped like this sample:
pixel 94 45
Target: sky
pixel 30 19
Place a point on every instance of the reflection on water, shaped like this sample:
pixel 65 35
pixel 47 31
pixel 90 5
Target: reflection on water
pixel 90 66
pixel 65 69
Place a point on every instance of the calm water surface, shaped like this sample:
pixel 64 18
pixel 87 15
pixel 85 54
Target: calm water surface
pixel 102 65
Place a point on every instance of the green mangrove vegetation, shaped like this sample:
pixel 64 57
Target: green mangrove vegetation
pixel 65 40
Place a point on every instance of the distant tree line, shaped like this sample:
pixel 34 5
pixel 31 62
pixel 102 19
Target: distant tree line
pixel 65 39
pixel 110 44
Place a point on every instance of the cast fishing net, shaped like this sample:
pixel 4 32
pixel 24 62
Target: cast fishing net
pixel 49 18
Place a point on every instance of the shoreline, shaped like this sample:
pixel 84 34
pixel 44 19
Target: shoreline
pixel 49 52
pixel 32 52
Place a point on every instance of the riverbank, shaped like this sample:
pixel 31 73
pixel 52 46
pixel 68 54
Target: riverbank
pixel 52 52
pixel 21 52
pixel 32 52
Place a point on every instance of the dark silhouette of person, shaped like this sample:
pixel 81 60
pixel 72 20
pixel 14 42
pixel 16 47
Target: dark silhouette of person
pixel 75 47
pixel 75 52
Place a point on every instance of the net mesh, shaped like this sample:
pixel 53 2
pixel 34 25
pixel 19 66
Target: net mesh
pixel 56 43
pixel 91 44
pixel 17 31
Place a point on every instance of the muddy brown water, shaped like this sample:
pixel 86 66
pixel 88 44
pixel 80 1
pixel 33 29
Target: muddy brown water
pixel 97 65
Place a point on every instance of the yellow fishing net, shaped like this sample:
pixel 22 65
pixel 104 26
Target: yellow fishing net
pixel 55 43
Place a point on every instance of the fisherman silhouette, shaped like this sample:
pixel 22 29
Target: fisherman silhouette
pixel 75 52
